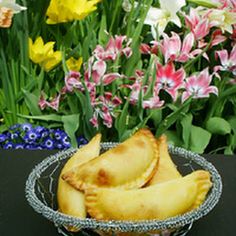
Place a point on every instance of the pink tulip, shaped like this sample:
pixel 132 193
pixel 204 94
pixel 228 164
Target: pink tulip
pixel 198 86
pixel 72 81
pixel 173 49
pixel 98 71
pixel 104 107
pixel 153 102
pixel 228 61
pixel 54 103
pixel 113 49
pixel 42 102
pixel 109 78
pixel 168 79
pixel 145 48
pixel 94 120
pixel 107 119
pixel 199 25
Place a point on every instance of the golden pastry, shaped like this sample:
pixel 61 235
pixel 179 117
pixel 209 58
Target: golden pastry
pixel 166 169
pixel 70 200
pixel 129 165
pixel 159 201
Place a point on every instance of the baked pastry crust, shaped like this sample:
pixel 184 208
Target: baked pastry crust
pixel 159 201
pixel 129 165
pixel 70 200
pixel 166 169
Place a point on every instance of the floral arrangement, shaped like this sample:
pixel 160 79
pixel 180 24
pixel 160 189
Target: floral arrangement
pixel 25 136
pixel 166 64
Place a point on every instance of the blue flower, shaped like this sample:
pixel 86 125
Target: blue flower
pixel 48 143
pixel 3 138
pixel 14 135
pixel 26 127
pixel 66 142
pixel 33 147
pixel 31 136
pixel 58 134
pixel 30 146
pixel 45 133
pixel 19 146
pixel 59 146
pixel 40 129
pixel 8 145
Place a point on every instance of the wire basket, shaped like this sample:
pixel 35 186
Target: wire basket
pixel 41 189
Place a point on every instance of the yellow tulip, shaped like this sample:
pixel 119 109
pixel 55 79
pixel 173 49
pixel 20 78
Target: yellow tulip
pixel 64 11
pixel 43 54
pixel 74 64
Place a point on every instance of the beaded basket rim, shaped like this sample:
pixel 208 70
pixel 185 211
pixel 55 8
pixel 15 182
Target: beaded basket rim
pixel 61 219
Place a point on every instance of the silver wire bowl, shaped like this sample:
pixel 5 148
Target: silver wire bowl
pixel 41 188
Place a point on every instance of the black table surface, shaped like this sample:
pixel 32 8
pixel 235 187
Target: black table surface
pixel 17 218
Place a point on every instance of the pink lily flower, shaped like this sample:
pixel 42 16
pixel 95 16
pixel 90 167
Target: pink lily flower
pixel 173 49
pixel 168 79
pixel 113 49
pixel 198 86
pixel 228 61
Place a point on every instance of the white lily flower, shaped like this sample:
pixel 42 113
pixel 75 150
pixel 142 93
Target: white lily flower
pixel 223 18
pixel 158 18
pixel 11 4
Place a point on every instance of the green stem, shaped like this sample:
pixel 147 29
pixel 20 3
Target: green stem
pixel 224 95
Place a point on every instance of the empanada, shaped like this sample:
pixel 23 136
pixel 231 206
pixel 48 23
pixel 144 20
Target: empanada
pixel 70 200
pixel 128 165
pixel 166 169
pixel 159 201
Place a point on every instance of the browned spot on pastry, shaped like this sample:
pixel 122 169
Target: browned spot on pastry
pixel 103 177
pixel 140 143
pixel 120 149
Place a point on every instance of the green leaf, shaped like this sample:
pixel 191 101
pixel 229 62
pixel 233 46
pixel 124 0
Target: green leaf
pixel 52 117
pixel 172 118
pixel 205 3
pixel 218 125
pixel 186 124
pixel 228 151
pixel 121 120
pixel 71 124
pixel 127 133
pixel 232 122
pixel 31 101
pixel 173 138
pixel 156 116
pixel 102 36
pixel 199 139
pixel 3 128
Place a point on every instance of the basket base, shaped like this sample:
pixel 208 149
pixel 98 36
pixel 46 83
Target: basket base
pixel 179 232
